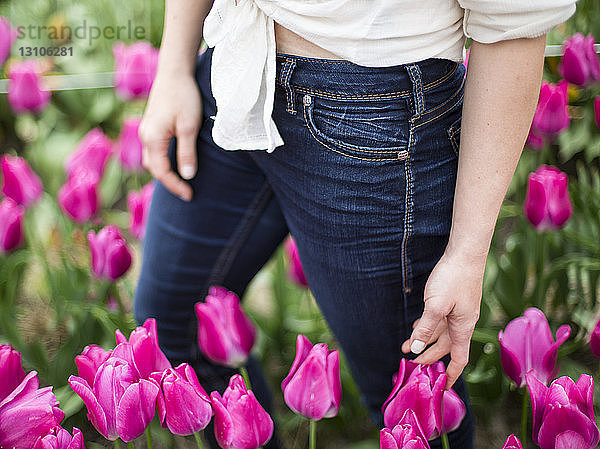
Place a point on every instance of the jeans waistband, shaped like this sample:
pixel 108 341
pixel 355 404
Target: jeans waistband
pixel 345 79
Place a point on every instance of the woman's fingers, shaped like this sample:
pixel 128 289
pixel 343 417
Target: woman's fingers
pixel 434 337
pixel 155 160
pixel 436 351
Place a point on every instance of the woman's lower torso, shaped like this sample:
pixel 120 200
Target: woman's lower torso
pixel 289 42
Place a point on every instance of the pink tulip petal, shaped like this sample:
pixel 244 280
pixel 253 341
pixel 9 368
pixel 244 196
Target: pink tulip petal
pixel 570 440
pixel 244 332
pixel 418 397
pixel 303 347
pixel 454 411
pixel 561 419
pixel 211 333
pixel 223 422
pixel 136 409
pixel 334 382
pixel 387 440
pixel 535 201
pixel 537 392
pixel 548 362
pixel 95 412
pixel 512 442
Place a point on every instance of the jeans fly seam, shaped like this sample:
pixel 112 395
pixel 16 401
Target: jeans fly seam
pixel 238 237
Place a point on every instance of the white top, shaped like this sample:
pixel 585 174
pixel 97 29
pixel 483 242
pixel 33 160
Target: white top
pixel 372 33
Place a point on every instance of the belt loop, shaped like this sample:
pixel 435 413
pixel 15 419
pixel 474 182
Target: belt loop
pixel 414 72
pixel 286 74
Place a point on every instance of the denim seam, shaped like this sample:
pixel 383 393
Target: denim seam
pixel 239 236
pixel 381 96
pixel 459 91
pixel 414 72
pixel 439 115
pixel 286 74
pixel 399 154
pixel 452 133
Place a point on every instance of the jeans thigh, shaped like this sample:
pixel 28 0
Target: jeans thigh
pixel 349 189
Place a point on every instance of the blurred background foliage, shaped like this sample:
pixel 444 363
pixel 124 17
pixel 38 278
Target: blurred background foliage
pixel 51 306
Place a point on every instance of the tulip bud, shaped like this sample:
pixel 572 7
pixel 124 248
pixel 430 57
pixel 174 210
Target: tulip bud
pixel 119 403
pixel 183 405
pixel 512 442
pixel 595 340
pixel 19 182
pixel 11 225
pixel 91 155
pixel 597 110
pixel 240 421
pixel 551 116
pixel 563 413
pixel 139 206
pixel 295 270
pixel 421 388
pixel 110 256
pixel 26 92
pixel 89 361
pixel 547 205
pixel 59 438
pixel 313 387
pixel 129 145
pixel 135 68
pixel 580 64
pixel 526 344
pixel 406 435
pixel 7 37
pixel 146 355
pixel 28 413
pixel 225 334
pixel 79 198
pixel 11 370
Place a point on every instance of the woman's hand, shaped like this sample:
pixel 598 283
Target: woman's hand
pixel 174 109
pixel 452 302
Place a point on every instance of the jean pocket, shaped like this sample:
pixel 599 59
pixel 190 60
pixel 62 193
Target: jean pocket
pixel 454 135
pixel 365 129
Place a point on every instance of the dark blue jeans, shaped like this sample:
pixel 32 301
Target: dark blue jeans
pixel 364 183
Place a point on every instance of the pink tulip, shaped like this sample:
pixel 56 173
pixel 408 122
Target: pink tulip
pixel 91 154
pixel 7 37
pixel 595 340
pixel 313 387
pixel 527 344
pixel 89 361
pixel 580 63
pixel 27 413
pixel 547 205
pixel 139 205
pixel 119 403
pixel 225 334
pixel 11 370
pixel 421 389
pixel 135 68
pixel 146 355
pixel 597 110
pixel 551 116
pixel 129 145
pixel 406 435
pixel 11 225
pixel 26 91
pixel 534 140
pixel 59 438
pixel 79 198
pixel 563 414
pixel 240 421
pixel 295 270
pixel 512 442
pixel 19 182
pixel 110 255
pixel 183 405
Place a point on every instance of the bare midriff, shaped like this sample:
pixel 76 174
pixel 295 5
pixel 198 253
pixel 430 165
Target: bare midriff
pixel 289 42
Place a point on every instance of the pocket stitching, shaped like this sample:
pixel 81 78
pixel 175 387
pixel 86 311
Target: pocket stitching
pixel 453 131
pixel 327 142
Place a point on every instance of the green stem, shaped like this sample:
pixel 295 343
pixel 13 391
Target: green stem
pixel 130 445
pixel 246 377
pixel 540 269
pixel 524 410
pixel 313 434
pixel 199 440
pixel 148 437
pixel 117 444
pixel 445 442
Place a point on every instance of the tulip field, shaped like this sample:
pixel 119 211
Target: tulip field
pixel 77 371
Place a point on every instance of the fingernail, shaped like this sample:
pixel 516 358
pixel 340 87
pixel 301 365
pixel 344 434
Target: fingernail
pixel 417 347
pixel 187 172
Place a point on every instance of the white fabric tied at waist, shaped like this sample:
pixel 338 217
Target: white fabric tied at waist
pixel 242 75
